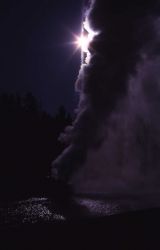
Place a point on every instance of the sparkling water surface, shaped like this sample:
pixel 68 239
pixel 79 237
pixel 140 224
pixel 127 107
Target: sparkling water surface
pixel 44 209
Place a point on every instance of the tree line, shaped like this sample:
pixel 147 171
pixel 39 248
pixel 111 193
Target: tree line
pixel 28 142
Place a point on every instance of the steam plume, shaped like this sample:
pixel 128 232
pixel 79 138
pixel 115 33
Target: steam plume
pixel 114 142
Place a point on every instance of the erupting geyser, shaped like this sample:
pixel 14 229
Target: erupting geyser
pixel 114 143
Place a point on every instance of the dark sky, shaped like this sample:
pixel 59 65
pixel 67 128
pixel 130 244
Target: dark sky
pixel 34 54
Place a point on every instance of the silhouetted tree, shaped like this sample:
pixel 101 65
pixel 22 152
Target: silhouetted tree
pixel 29 141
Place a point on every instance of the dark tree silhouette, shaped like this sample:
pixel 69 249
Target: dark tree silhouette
pixel 28 143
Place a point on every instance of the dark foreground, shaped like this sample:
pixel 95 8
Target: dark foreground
pixel 85 222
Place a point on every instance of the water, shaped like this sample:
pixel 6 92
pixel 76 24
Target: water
pixel 45 210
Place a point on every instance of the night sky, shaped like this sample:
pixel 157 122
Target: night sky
pixel 35 52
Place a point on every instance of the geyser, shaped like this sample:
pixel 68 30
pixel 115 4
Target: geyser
pixel 114 143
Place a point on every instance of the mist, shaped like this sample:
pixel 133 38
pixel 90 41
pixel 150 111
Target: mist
pixel 114 143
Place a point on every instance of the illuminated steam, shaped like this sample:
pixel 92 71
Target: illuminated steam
pixel 114 143
pixel 83 41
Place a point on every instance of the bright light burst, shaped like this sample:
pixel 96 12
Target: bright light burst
pixel 84 40
pixel 83 43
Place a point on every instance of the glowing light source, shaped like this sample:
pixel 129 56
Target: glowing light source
pixel 83 43
pixel 84 40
